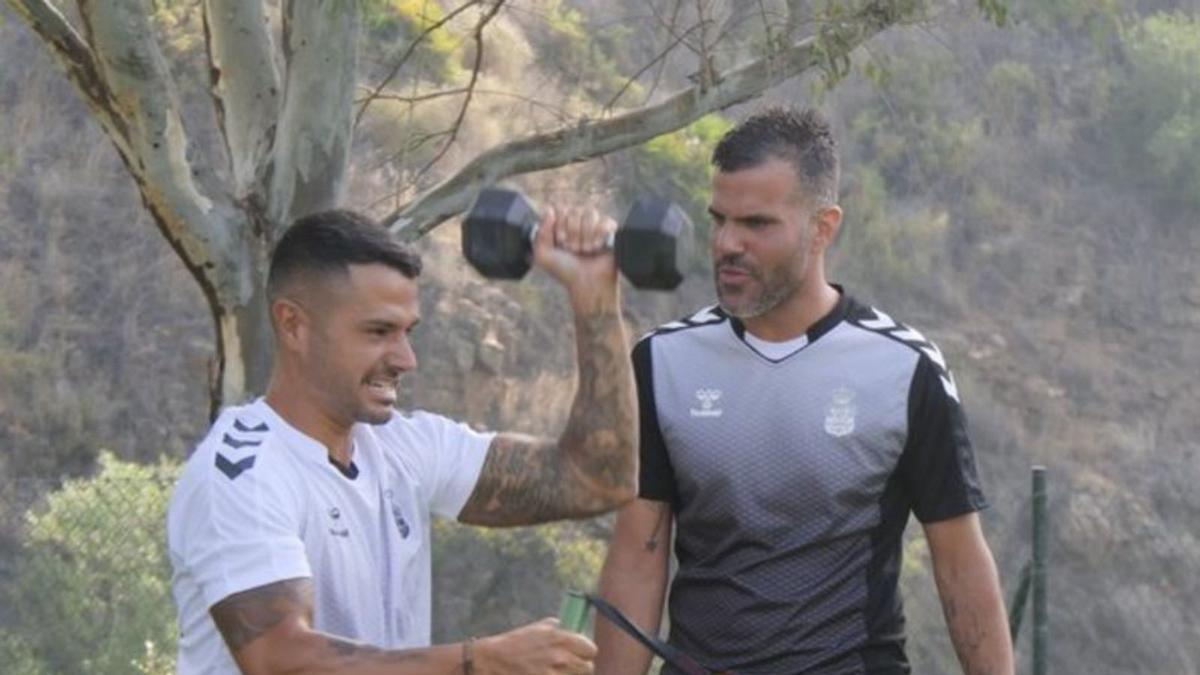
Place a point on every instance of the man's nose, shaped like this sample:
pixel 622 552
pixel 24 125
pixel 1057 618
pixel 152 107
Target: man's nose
pixel 726 240
pixel 402 356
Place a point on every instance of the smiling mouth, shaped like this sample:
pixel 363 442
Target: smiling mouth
pixel 383 389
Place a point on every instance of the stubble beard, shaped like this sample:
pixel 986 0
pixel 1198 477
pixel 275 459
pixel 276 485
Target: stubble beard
pixel 774 288
pixel 345 400
pixel 774 292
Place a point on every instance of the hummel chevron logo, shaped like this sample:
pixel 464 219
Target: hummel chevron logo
pixel 240 426
pixel 238 444
pixel 887 325
pixel 234 469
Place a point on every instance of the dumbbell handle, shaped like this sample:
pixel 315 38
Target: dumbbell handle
pixel 499 232
pixel 610 240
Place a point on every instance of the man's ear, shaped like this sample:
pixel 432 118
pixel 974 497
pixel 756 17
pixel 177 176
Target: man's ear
pixel 828 221
pixel 291 324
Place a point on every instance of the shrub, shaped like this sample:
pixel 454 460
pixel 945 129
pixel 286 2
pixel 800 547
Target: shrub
pixel 91 588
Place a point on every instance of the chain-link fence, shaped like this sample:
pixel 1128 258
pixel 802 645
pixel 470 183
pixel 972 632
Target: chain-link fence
pixel 84 578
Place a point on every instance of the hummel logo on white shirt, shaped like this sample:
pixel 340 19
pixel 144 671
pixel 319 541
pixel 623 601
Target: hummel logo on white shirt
pixel 707 398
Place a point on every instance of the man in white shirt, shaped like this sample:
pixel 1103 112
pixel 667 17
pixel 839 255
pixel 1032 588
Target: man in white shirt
pixel 299 530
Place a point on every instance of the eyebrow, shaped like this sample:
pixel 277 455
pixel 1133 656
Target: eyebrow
pixel 752 218
pixel 389 324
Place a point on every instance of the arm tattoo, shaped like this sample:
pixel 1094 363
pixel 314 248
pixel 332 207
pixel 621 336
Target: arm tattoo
pixel 659 522
pixel 527 480
pixel 357 653
pixel 601 434
pixel 969 634
pixel 521 483
pixel 244 616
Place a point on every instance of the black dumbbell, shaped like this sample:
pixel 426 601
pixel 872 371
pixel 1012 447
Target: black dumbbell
pixel 651 245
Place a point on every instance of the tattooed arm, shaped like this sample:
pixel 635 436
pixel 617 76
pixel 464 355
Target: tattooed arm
pixel 269 631
pixel 969 588
pixel 634 579
pixel 592 466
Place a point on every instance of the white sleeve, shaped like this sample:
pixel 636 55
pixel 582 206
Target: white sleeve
pixel 234 534
pixel 453 455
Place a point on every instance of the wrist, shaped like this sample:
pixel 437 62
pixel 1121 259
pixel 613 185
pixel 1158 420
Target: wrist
pixel 468 657
pixel 480 652
pixel 593 300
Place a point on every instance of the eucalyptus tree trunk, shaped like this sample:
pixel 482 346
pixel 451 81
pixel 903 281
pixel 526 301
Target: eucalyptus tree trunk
pixel 285 114
pixel 287 142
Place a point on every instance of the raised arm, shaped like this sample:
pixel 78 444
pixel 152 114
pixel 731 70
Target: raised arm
pixel 592 466
pixel 969 588
pixel 269 631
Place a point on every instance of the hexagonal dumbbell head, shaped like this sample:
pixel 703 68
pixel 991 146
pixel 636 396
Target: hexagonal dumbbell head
pixel 654 244
pixel 496 234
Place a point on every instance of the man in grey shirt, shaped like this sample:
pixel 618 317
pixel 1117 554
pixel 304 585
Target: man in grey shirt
pixel 786 435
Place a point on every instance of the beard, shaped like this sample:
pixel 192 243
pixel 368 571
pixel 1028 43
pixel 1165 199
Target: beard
pixel 761 292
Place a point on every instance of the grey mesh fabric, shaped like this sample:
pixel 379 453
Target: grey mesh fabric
pixel 791 482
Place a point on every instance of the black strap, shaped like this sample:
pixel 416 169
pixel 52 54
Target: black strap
pixel 671 655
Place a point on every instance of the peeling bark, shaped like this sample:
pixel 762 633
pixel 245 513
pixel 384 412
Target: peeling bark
pixel 76 60
pixel 245 342
pixel 245 87
pixel 590 139
pixel 128 60
pixel 312 143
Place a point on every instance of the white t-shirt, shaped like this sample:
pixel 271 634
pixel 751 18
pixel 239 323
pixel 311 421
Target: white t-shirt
pixel 777 351
pixel 260 502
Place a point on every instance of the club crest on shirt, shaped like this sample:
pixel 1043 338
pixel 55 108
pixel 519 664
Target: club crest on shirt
pixel 707 398
pixel 336 528
pixel 839 419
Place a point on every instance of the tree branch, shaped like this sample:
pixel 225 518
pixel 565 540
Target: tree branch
pixel 476 68
pixel 245 86
pixel 408 52
pixel 76 59
pixel 150 138
pixel 590 139
pixel 122 76
pixel 661 57
pixel 312 142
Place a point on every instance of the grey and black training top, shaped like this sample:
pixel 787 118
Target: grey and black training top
pixel 791 481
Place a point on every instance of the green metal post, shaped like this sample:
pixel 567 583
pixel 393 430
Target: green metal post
pixel 572 613
pixel 1040 527
pixel 1016 609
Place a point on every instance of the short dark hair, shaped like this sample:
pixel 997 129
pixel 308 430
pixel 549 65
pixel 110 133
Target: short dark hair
pixel 803 138
pixel 328 242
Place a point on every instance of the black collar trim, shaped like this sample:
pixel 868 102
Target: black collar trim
pixel 350 471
